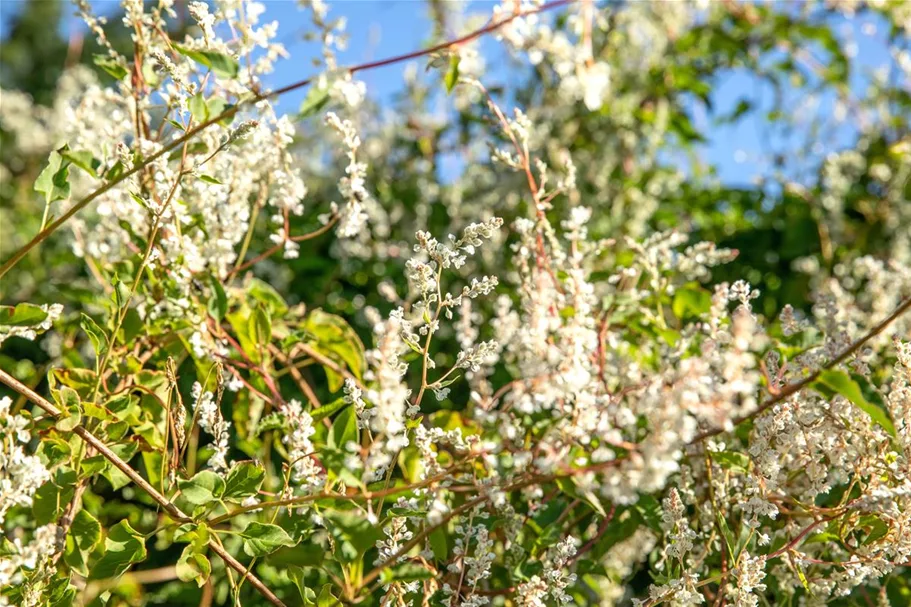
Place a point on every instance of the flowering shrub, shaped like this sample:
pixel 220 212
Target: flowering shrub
pixel 569 390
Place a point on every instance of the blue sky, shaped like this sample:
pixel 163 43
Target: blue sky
pixel 383 28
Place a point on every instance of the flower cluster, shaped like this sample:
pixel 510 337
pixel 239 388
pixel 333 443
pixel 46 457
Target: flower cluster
pixel 206 411
pixel 305 471
pixel 20 474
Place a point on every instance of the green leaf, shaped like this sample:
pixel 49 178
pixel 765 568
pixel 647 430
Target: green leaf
pixel 406 572
pixel 266 294
pixel 728 535
pixel 731 460
pixel 743 107
pixel 273 421
pixel 67 398
pixel 203 488
pixel 438 544
pixel 23 315
pixel 140 201
pixel 114 475
pixel 221 65
pixel 691 301
pixel 197 534
pixel 84 535
pixel 297 574
pixel 454 420
pixel 55 450
pixel 53 181
pixel 261 539
pixel 83 160
pixel 96 334
pixel 327 410
pixel 123 547
pixel 876 528
pixel 51 498
pixel 841 383
pixel 198 108
pixel 344 429
pixel 193 566
pixel 241 322
pixel 111 66
pixel 452 74
pixel 210 179
pixel 823 537
pixel 60 592
pixel 218 302
pixel 316 99
pixel 802 576
pixel 622 527
pixel 571 487
pixel 218 106
pixel 326 599
pixel 114 173
pixel 260 327
pixel 122 292
pixel 336 340
pixel 244 480
pixel 305 554
pixel 681 124
pixel 68 421
pixel 353 533
pixel 650 511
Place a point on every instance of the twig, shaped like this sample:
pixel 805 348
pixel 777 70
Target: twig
pixel 328 362
pixel 275 249
pixel 602 529
pixel 364 496
pixel 791 389
pixel 790 545
pixel 134 476
pixel 297 376
pixel 533 480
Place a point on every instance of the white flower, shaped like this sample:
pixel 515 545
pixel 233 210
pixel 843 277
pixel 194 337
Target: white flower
pixel 20 474
pixel 306 471
pixel 211 421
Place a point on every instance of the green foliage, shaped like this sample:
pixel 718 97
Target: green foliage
pixel 261 539
pixel 220 64
pixel 203 489
pixel 84 536
pixel 123 546
pixel 53 497
pixel 841 383
pixel 22 315
pixel 53 181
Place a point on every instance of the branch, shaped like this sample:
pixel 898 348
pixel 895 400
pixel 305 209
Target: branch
pixel 256 98
pixel 363 496
pixel 134 476
pixel 602 529
pixel 278 247
pixel 327 362
pixel 480 499
pixel 792 389
pixel 790 545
